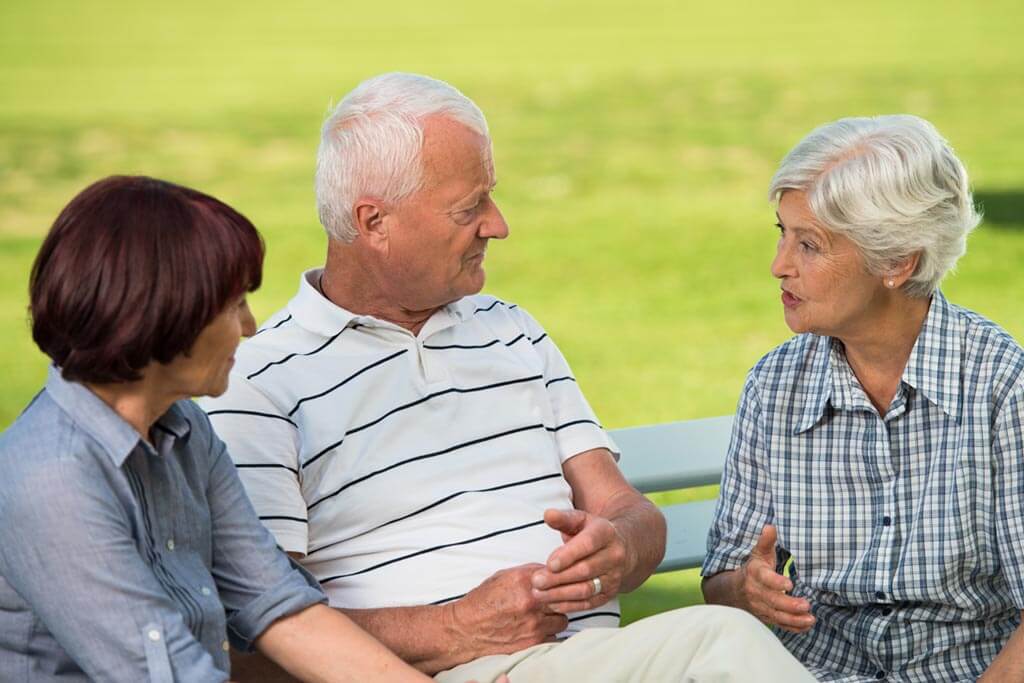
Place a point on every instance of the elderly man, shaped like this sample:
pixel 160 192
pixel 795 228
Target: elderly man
pixel 425 451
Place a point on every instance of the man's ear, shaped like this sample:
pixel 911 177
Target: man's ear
pixel 369 217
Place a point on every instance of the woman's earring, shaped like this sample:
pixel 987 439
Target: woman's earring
pixel 891 283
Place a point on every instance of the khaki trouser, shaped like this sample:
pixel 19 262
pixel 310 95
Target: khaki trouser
pixel 696 644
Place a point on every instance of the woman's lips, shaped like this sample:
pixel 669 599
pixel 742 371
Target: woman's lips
pixel 788 300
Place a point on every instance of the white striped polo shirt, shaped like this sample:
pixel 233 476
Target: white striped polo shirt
pixel 407 469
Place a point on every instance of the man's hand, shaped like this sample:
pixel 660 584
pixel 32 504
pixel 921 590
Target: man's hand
pixel 502 615
pixel 762 591
pixel 593 548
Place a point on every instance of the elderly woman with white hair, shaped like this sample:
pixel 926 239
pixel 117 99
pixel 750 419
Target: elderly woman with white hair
pixel 880 452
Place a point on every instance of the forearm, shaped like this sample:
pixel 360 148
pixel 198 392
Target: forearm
pixel 723 589
pixel 424 636
pixel 1009 664
pixel 642 528
pixel 321 644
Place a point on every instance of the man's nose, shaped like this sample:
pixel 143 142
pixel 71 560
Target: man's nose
pixel 493 225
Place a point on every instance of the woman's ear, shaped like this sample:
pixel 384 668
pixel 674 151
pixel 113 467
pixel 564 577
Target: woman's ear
pixel 902 271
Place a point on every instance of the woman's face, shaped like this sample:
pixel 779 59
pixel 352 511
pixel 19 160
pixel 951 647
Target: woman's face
pixel 203 371
pixel 826 288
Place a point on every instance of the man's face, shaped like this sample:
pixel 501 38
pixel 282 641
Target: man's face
pixel 438 235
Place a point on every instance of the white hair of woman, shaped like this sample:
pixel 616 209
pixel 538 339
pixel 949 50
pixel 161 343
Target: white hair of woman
pixel 371 143
pixel 892 185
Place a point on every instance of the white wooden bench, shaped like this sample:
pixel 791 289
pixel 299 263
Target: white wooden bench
pixel 678 455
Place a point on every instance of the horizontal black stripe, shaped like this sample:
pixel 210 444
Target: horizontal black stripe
pixel 595 614
pixel 274 326
pixel 254 413
pixel 433 549
pixel 453 390
pixel 499 487
pixel 473 346
pixel 559 379
pixel 293 355
pixel 570 424
pixel 461 346
pixel 255 465
pixel 290 519
pixel 425 456
pixel 346 380
pixel 451 599
pixel 539 339
pixel 495 303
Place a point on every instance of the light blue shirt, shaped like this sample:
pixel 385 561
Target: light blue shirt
pixel 123 561
pixel 905 529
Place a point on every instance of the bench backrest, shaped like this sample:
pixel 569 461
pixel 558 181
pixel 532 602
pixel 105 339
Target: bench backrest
pixel 678 455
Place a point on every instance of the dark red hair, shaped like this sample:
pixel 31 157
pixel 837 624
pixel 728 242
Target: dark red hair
pixel 131 272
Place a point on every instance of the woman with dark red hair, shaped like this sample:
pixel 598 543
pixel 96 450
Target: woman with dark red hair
pixel 130 551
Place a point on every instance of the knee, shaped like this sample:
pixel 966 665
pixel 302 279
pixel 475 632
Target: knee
pixel 732 616
pixel 723 620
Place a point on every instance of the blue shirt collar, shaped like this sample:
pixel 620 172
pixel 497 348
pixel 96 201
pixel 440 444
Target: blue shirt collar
pixel 932 369
pixel 91 414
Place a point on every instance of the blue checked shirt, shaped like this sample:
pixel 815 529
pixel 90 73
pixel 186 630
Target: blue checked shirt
pixel 905 530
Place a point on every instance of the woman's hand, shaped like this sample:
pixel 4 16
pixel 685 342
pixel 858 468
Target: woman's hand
pixel 763 592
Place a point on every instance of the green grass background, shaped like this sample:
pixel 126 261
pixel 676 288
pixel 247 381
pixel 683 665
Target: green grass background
pixel 633 142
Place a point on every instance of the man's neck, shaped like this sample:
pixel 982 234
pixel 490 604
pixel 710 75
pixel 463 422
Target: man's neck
pixel 346 282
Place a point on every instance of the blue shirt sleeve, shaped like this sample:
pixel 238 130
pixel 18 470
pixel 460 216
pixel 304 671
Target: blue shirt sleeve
pixel 257 582
pixel 68 551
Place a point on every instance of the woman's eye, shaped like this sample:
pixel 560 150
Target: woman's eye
pixel 809 246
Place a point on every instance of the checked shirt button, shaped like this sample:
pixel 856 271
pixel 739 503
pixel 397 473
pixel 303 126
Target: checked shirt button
pixel 880 676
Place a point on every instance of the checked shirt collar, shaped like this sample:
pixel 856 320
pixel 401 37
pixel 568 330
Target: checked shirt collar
pixel 933 369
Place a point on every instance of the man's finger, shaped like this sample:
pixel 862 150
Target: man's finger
pixel 581 545
pixel 580 571
pixel 566 592
pixel 567 521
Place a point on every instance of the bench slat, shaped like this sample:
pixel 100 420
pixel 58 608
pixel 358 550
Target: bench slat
pixel 688 525
pixel 674 455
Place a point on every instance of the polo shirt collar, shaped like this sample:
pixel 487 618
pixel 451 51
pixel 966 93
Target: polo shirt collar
pixel 92 415
pixel 316 313
pixel 934 364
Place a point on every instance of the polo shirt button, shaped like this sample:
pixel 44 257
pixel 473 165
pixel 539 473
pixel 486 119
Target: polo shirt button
pixel 204 590
pixel 154 635
pixel 225 646
pixel 170 544
pixel 880 595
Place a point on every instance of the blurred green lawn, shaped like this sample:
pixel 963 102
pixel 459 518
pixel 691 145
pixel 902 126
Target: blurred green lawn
pixel 633 141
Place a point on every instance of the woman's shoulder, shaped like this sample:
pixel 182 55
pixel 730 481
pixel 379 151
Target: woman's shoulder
pixel 802 354
pixel 988 350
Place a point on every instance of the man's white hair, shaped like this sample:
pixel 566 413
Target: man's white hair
pixel 371 143
pixel 891 184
